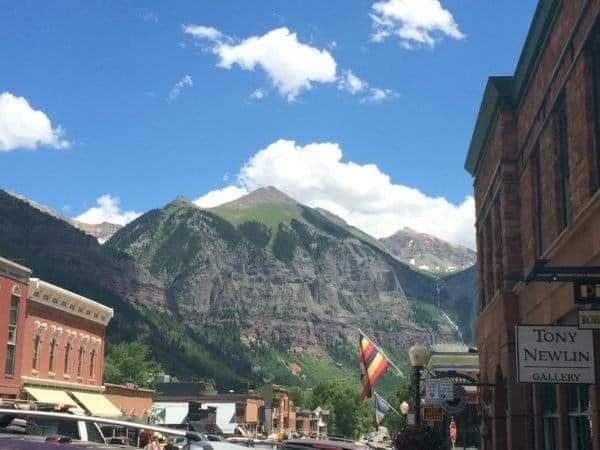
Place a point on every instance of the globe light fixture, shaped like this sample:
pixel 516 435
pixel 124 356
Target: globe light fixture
pixel 418 357
pixel 404 407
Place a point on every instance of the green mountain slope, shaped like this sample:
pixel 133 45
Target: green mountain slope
pixel 264 289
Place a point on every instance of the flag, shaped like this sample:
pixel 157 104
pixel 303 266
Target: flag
pixel 372 364
pixel 381 408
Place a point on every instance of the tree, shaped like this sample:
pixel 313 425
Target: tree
pixel 130 362
pixel 348 415
pixel 404 392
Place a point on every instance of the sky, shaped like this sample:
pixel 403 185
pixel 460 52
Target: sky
pixel 364 108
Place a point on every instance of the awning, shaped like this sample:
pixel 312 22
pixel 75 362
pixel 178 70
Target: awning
pixel 97 404
pixel 50 396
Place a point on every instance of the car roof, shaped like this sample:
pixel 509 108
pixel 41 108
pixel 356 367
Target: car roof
pixel 322 444
pixel 28 442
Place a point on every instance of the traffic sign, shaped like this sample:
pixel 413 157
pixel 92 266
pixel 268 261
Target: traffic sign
pixel 432 392
pixel 453 432
pixel 446 389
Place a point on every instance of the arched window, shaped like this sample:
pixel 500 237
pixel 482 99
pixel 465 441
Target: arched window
pixel 92 360
pixel 80 361
pixel 52 355
pixel 36 351
pixel 9 365
pixel 67 356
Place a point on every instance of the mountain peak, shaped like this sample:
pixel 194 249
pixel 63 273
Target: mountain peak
pixel 268 194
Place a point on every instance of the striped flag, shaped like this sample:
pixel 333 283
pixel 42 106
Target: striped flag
pixel 372 365
pixel 381 408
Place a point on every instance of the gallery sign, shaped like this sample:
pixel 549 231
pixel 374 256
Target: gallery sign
pixel 555 354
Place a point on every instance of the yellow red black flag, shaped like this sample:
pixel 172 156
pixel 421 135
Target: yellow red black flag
pixel 372 364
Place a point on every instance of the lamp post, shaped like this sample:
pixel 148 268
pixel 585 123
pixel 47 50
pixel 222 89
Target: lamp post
pixel 417 355
pixel 404 410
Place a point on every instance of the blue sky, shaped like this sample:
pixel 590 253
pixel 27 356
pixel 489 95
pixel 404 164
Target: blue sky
pixel 110 109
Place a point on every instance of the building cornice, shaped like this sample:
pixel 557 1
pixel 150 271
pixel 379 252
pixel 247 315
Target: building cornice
pixel 13 270
pixel 507 92
pixel 58 298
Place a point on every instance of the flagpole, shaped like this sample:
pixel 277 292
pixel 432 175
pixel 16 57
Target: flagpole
pixel 400 373
pixel 388 403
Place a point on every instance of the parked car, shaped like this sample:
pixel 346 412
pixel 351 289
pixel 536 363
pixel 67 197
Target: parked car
pixel 322 444
pixel 50 428
pixel 28 442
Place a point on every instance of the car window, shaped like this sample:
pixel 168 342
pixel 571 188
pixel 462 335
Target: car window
pixel 93 433
pixel 46 427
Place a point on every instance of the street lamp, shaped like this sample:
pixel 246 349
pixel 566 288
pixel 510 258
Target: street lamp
pixel 417 355
pixel 404 410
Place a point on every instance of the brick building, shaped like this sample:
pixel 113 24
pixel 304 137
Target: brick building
pixel 535 160
pixel 13 299
pixel 133 401
pixel 62 351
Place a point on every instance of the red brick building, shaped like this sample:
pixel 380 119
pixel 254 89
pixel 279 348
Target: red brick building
pixel 62 352
pixel 134 402
pixel 13 299
pixel 535 159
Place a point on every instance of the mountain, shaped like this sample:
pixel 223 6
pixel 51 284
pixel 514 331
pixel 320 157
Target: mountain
pixel 428 253
pixel 259 289
pixel 102 231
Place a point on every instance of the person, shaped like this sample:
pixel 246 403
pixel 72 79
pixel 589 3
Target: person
pixel 153 444
pixel 171 444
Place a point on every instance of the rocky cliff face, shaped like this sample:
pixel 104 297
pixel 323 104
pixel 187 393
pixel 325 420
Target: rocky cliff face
pixel 428 253
pixel 304 280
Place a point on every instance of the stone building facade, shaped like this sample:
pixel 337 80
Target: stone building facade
pixel 535 160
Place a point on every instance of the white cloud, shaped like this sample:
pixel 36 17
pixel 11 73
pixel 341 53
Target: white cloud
pixel 413 22
pixel 185 81
pixel 316 175
pixel 290 65
pixel 108 210
pixel 258 94
pixel 220 196
pixel 377 95
pixel 200 31
pixel 351 83
pixel 149 17
pixel 21 126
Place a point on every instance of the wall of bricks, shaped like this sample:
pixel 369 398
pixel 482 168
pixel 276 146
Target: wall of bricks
pixel 507 220
pixel 9 383
pixel 85 331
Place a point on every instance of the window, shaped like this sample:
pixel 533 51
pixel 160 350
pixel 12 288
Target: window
pixel 9 363
pixel 566 211
pixel 92 358
pixel 578 429
pixel 36 352
pixel 80 362
pixel 52 355
pixel 67 356
pixel 537 198
pixel 549 416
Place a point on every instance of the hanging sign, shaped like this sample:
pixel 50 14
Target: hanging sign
pixel 589 319
pixel 587 292
pixel 555 354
